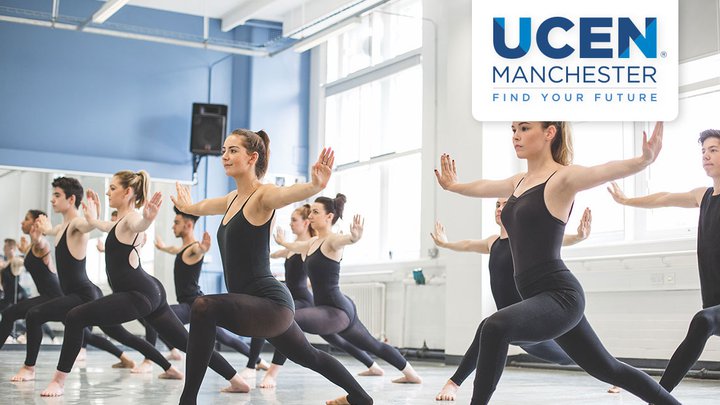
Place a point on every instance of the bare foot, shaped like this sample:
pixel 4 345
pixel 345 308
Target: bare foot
pixel 144 368
pixel 262 365
pixel 57 386
pixel 237 384
pixel 174 354
pixel 614 390
pixel 409 376
pixel 172 374
pixel 248 374
pixel 374 370
pixel 26 373
pixel 447 393
pixel 53 389
pixel 270 378
pixel 125 362
pixel 82 355
pixel 338 401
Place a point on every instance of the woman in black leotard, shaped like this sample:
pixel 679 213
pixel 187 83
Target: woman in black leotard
pixel 136 294
pixel 186 276
pixel 334 312
pixel 296 280
pixel 553 301
pixel 706 322
pixel 256 305
pixel 42 270
pixel 504 292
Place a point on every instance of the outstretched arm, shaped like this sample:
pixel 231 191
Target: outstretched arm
pixel 577 178
pixel 138 224
pixel 277 197
pixel 689 199
pixel 91 214
pixel 583 230
pixel 208 206
pixel 467 245
pixel 337 241
pixel 297 246
pixel 43 223
pixel 173 250
pixel 279 254
pixel 203 247
pixel 447 178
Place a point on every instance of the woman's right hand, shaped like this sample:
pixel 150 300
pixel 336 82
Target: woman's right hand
pixel 439 236
pixel 617 193
pixel 651 147
pixel 279 236
pixel 322 169
pixel 447 176
pixel 183 198
pixel 90 206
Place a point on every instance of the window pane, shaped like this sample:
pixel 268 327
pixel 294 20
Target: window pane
pixel 360 186
pixel 382 35
pixel 403 196
pixel 596 143
pixel 377 118
pixel 679 166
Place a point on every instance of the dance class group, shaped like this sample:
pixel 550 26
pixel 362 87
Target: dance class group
pixel 540 304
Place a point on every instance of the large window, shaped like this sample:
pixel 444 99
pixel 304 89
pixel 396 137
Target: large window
pixel 372 97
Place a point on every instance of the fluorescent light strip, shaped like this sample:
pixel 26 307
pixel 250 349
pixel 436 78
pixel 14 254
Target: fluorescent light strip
pixel 107 10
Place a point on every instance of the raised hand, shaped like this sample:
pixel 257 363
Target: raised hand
pixel 447 176
pixel 279 235
pixel 43 224
pixel 159 242
pixel 152 207
pixel 24 246
pixel 651 147
pixel 617 193
pixel 183 198
pixel 583 230
pixel 356 228
pixel 322 169
pixel 439 236
pixel 205 242
pixel 90 194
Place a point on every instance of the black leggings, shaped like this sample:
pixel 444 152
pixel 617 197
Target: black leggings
pixel 552 308
pixel 55 310
pixel 247 315
pixel 548 351
pixel 182 311
pixel 19 311
pixel 120 307
pixel 334 340
pixel 325 320
pixel 704 324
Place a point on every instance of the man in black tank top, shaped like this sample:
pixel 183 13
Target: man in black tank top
pixel 186 274
pixel 70 243
pixel 705 323
pixel 42 270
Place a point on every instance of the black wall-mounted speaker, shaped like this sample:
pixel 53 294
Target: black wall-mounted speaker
pixel 209 123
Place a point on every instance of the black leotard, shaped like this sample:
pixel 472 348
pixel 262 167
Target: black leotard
pixel 46 281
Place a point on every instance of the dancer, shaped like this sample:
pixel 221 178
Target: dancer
pixel 296 279
pixel 257 304
pixel 553 301
pixel 504 292
pixel 10 269
pixel 333 311
pixel 136 294
pixel 70 242
pixel 706 322
pixel 42 270
pixel 186 272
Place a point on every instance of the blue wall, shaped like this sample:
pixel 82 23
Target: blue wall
pixel 79 101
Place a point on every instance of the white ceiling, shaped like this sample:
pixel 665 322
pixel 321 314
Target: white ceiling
pixel 236 10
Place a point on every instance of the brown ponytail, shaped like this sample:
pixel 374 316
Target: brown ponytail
pixel 258 142
pixel 561 147
pixel 139 182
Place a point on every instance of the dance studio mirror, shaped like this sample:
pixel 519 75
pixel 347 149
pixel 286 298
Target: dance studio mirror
pixel 29 188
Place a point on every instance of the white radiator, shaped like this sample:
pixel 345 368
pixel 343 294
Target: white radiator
pixel 370 301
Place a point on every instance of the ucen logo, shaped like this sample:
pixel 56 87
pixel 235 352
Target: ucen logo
pixel 626 31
